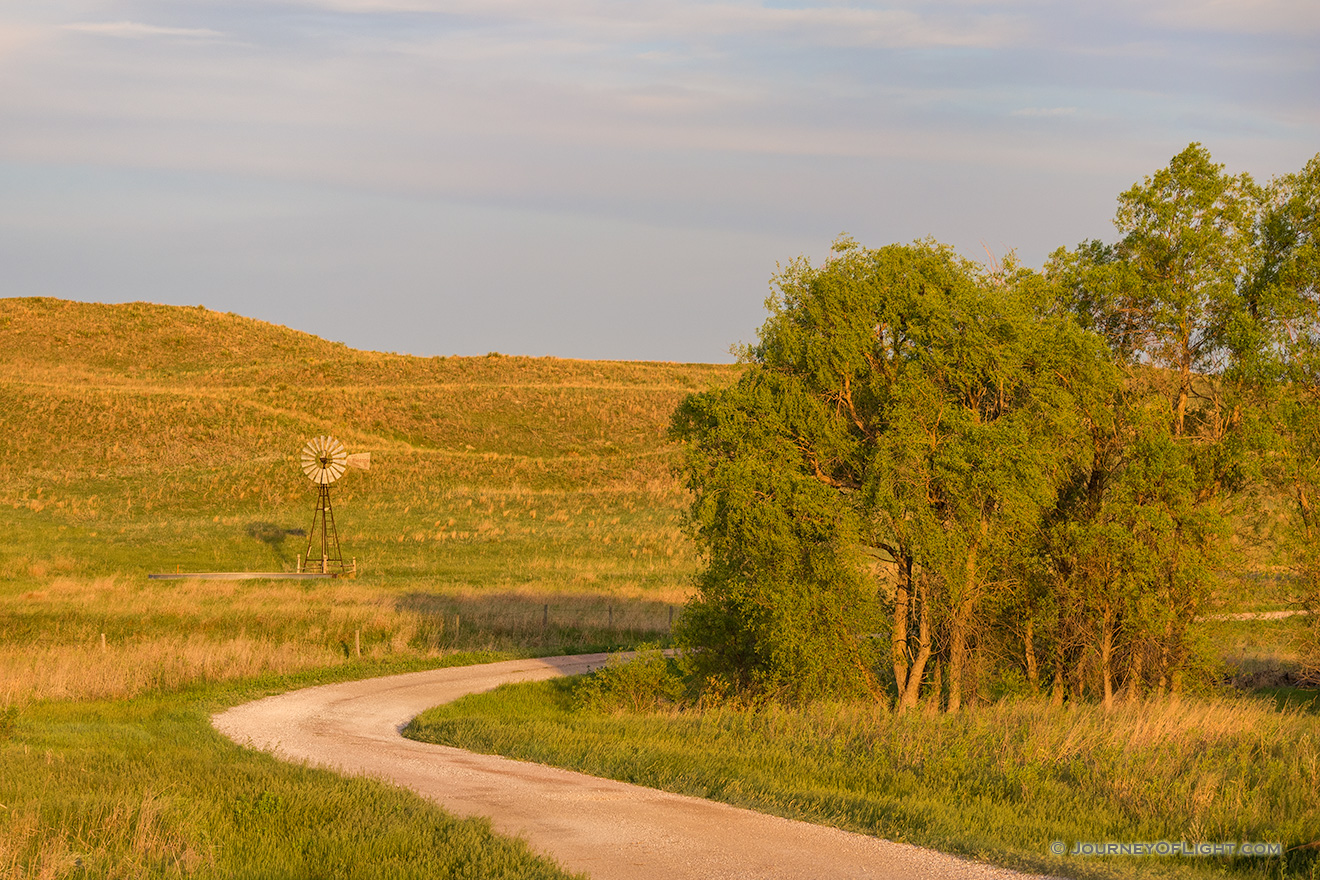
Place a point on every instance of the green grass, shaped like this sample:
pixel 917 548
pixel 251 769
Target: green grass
pixel 998 783
pixel 146 788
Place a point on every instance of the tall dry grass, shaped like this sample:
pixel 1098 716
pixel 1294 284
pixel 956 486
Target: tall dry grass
pixel 80 672
pixel 116 637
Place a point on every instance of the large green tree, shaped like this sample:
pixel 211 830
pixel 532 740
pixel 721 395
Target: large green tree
pixel 1204 302
pixel 901 402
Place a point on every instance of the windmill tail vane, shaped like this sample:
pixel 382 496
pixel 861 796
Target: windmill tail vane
pixel 324 460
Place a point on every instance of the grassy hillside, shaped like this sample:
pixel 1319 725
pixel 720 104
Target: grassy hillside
pixel 141 438
pixel 514 506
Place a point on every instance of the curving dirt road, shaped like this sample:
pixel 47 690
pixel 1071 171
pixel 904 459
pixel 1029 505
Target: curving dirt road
pixel 610 830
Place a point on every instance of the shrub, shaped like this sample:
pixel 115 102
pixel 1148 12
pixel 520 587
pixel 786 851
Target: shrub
pixel 647 682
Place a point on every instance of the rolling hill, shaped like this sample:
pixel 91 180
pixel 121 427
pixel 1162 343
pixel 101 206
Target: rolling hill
pixel 141 438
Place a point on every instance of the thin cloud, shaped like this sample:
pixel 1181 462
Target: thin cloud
pixel 1045 111
pixel 139 30
pixel 1259 17
pixel 886 26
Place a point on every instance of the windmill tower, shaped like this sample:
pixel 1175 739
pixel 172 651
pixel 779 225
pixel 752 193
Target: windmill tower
pixel 324 460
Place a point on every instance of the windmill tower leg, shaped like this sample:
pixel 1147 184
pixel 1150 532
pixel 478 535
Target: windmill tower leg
pixel 330 537
pixel 326 557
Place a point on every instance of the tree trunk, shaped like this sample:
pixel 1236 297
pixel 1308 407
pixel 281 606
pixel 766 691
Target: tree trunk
pixel 1134 675
pixel 1304 507
pixel 1106 657
pixel 957 655
pixel 1079 677
pixel 1033 669
pixel 962 619
pixel 912 693
pixel 978 674
pixel 936 689
pixel 900 637
pixel 1184 384
pixel 1166 652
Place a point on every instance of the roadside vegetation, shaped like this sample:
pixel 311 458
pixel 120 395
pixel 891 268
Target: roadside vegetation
pixel 146 788
pixel 999 783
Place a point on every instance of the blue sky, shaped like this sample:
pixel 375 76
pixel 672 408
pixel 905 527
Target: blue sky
pixel 586 178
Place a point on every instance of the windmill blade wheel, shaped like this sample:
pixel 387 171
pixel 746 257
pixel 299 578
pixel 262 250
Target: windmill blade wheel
pixel 324 460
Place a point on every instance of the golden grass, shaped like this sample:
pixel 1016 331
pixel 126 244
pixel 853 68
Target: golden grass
pixel 140 438
pixel 117 637
pixel 29 850
pixel 77 672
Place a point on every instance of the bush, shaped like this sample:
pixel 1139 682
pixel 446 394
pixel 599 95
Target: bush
pixel 647 682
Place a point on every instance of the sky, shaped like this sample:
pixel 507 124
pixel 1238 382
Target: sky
pixel 606 179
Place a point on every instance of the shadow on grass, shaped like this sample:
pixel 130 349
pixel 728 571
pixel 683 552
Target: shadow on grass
pixel 1294 698
pixel 575 623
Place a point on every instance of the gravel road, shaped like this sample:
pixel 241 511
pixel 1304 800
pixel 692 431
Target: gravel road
pixel 609 830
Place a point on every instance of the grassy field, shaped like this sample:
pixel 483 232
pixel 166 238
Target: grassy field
pixel 515 506
pixel 146 788
pixel 1000 783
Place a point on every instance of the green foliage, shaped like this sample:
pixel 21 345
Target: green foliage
pixel 646 682
pixel 898 398
pixel 776 611
pixel 1207 304
pixel 955 449
pixel 1187 239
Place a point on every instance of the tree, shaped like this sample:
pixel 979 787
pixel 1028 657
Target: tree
pixel 901 399
pixel 1288 288
pixel 1187 240
pixel 1200 304
pixel 1041 464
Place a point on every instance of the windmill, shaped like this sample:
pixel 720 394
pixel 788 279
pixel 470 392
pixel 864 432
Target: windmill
pixel 324 460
